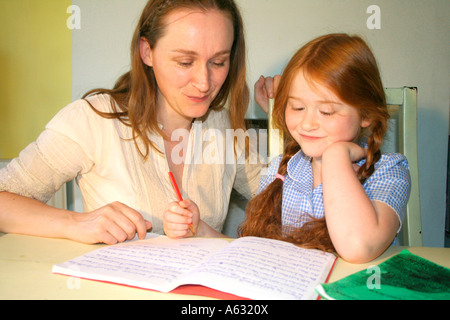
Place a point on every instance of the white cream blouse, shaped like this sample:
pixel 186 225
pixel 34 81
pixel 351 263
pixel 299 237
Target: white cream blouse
pixel 98 152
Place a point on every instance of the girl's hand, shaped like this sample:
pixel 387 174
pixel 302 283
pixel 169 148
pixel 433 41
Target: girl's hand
pixel 354 151
pixel 265 89
pixel 113 223
pixel 178 217
pixel 341 150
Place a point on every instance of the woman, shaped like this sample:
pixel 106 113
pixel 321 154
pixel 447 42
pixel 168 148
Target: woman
pixel 187 62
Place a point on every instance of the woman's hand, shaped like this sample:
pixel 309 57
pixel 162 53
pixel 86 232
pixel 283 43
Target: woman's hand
pixel 113 223
pixel 178 217
pixel 265 89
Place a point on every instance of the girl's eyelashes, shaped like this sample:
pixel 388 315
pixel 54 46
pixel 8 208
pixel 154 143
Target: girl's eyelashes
pixel 327 113
pixel 324 109
pixel 295 106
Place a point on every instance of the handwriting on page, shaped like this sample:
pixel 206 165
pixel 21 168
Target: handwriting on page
pixel 276 269
pixel 161 263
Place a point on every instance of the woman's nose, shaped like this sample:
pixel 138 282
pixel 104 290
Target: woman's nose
pixel 201 78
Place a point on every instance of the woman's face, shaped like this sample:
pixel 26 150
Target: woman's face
pixel 190 62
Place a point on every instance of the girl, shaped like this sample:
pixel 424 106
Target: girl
pixel 187 62
pixel 332 189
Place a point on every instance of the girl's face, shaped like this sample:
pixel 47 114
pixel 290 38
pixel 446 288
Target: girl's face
pixel 190 61
pixel 317 118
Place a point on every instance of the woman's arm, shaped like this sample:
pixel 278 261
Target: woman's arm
pixel 265 89
pixel 110 224
pixel 360 229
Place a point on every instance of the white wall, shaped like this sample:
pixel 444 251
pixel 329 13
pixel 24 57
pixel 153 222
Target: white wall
pixel 100 48
pixel 411 48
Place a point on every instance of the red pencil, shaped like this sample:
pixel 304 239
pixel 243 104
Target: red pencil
pixel 178 193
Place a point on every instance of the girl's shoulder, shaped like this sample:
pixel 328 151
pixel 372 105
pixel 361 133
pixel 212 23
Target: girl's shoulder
pixel 391 166
pixel 274 165
pixel 268 173
pixel 387 160
pixel 392 160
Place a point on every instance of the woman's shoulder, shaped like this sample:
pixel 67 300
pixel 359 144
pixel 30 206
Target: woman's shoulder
pixel 100 102
pixel 82 110
pixel 79 121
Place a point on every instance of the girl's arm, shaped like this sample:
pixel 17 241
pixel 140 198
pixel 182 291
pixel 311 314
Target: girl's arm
pixel 110 224
pixel 360 229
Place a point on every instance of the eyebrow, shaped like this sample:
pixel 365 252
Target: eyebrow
pixel 319 101
pixel 193 53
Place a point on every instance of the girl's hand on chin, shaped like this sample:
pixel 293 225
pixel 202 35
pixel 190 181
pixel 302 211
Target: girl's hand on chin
pixel 354 151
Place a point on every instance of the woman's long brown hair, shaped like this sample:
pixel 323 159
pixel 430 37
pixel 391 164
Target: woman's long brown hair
pixel 134 94
pixel 345 65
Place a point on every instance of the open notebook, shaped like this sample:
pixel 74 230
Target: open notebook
pixel 250 267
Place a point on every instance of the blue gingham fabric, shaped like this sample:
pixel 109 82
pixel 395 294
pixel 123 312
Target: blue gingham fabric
pixel 390 183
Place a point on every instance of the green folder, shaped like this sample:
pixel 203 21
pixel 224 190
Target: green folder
pixel 404 276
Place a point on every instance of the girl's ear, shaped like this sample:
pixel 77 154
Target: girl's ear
pixel 365 123
pixel 146 52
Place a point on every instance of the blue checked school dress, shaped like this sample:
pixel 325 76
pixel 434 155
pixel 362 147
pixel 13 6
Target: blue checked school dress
pixel 390 183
